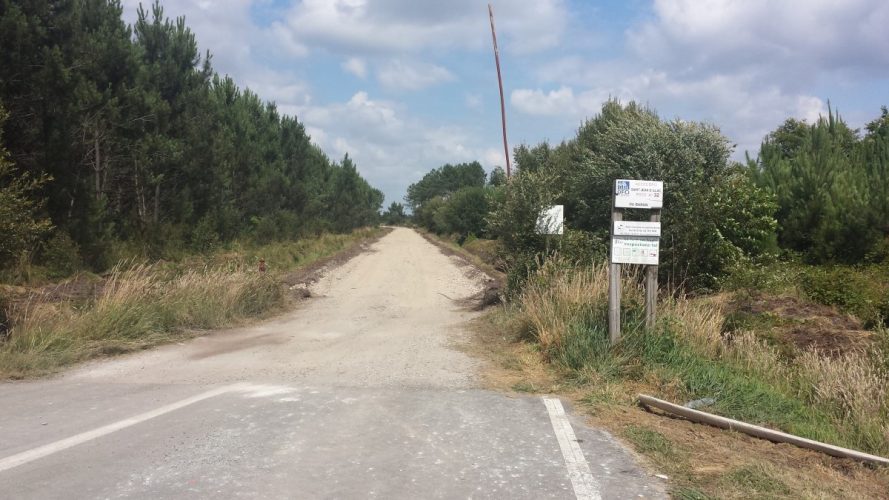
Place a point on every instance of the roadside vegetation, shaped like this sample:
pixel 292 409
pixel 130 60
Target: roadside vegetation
pixel 774 303
pixel 750 370
pixel 139 305
pixel 139 188
pixel 121 141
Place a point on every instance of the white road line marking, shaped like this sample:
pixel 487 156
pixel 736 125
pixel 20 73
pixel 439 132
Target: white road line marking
pixel 46 450
pixel 585 485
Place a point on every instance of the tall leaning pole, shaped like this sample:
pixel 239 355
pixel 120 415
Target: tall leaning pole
pixel 500 84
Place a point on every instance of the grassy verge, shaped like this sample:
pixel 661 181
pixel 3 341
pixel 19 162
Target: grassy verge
pixel 552 339
pixel 861 290
pixel 142 305
pixel 481 253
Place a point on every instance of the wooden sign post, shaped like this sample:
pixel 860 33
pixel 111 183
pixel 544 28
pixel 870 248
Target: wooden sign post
pixel 634 242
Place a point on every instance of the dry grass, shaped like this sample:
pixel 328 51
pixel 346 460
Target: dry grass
pixel 552 340
pixel 142 305
pixel 855 388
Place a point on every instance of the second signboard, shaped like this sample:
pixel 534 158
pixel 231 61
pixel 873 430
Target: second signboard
pixel 634 228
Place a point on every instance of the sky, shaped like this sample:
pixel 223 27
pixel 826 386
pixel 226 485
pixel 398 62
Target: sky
pixel 405 86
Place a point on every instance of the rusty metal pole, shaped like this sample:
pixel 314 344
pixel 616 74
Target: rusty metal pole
pixel 500 84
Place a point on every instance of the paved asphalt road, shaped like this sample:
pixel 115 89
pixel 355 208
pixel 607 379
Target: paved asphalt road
pixel 356 394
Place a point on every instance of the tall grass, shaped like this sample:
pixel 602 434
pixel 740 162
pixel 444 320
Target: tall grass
pixel 687 355
pixel 141 305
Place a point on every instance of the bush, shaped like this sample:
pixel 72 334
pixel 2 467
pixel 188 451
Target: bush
pixel 204 236
pixel 714 217
pixel 20 225
pixel 862 291
pixel 831 185
pixel 61 256
pixel 464 213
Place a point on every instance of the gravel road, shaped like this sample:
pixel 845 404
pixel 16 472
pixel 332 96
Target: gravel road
pixel 357 393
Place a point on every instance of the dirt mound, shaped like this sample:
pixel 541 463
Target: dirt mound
pixel 801 324
pixel 79 288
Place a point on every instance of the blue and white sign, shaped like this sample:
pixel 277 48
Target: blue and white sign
pixel 630 193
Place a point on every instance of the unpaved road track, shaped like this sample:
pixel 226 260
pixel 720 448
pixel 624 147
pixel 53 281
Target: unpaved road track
pixel 356 394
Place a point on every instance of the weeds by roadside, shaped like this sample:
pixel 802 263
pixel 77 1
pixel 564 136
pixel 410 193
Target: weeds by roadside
pixel 840 399
pixel 141 305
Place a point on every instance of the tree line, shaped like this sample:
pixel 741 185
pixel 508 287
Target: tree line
pixel 831 184
pixel 118 135
pixel 816 192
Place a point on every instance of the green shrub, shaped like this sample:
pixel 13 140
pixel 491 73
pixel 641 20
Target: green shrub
pixel 204 236
pixel 21 227
pixel 714 218
pixel 862 291
pixel 831 185
pixel 61 256
pixel 464 212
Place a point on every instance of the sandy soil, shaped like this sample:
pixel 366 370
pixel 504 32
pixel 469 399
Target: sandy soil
pixel 385 318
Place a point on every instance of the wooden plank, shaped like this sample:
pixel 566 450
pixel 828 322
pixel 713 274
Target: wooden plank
pixel 757 431
pixel 651 286
pixel 614 289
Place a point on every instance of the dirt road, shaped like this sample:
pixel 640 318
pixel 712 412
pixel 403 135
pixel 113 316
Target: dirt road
pixel 358 393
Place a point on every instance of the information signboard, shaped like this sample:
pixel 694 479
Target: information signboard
pixel 629 250
pixel 638 194
pixel 637 228
pixel 551 220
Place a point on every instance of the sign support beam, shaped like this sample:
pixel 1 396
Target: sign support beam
pixel 651 286
pixel 634 242
pixel 614 291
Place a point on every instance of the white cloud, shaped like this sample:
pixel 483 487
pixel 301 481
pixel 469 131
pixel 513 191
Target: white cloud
pixel 285 39
pixel 400 26
pixel 797 39
pixel 560 102
pixel 473 101
pixel 391 149
pixel 746 111
pixel 399 74
pixel 494 158
pixel 749 65
pixel 356 66
pixel 745 66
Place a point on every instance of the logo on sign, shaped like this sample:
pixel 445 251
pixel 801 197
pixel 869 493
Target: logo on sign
pixel 623 187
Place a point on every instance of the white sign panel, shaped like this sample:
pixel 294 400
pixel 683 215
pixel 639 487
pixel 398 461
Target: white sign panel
pixel 551 220
pixel 633 228
pixel 626 250
pixel 638 194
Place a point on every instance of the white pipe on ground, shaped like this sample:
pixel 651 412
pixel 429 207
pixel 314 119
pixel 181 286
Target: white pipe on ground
pixel 757 431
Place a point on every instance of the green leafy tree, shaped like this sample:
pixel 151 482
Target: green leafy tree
pixel 20 222
pixel 445 180
pixel 497 177
pixel 395 214
pixel 145 143
pixel 464 212
pixel 704 234
pixel 830 186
